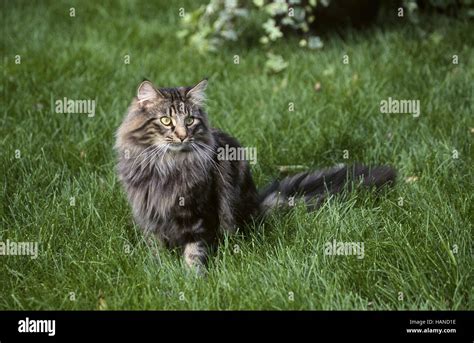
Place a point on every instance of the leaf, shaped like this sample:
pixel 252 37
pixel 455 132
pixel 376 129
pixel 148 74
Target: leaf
pixel 314 42
pixel 272 30
pixel 287 21
pixel 275 63
pixel 276 8
pixel 299 14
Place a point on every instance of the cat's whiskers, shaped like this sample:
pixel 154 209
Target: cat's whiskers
pixel 164 151
pixel 199 158
pixel 209 158
pixel 151 157
pixel 144 151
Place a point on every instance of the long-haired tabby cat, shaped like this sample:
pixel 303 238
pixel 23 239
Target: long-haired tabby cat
pixel 184 195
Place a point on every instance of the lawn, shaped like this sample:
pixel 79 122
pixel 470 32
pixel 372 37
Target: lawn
pixel 60 189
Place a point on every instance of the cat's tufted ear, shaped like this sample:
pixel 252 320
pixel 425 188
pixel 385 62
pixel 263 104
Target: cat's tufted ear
pixel 146 91
pixel 197 93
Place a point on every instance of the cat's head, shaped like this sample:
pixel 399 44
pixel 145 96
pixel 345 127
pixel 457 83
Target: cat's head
pixel 172 118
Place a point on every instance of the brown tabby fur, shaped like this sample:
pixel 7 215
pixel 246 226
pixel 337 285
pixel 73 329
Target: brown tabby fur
pixel 184 195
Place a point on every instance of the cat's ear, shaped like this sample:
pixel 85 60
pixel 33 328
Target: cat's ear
pixel 146 91
pixel 197 93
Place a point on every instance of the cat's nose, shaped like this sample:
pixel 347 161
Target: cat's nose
pixel 181 137
pixel 180 134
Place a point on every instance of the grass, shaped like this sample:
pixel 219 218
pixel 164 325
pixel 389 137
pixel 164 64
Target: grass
pixel 91 257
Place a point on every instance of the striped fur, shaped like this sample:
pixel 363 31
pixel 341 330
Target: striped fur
pixel 182 194
pixel 315 187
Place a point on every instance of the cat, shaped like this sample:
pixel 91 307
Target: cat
pixel 186 197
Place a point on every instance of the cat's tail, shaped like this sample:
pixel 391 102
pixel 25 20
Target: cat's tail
pixel 313 187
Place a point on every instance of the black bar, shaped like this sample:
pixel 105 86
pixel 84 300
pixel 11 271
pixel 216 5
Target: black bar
pixel 303 325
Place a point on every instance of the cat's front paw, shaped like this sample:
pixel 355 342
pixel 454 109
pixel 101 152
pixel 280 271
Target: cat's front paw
pixel 195 256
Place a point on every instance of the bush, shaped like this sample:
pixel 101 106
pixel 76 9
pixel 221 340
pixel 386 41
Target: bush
pixel 208 27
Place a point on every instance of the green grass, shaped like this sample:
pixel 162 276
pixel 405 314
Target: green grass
pixel 422 248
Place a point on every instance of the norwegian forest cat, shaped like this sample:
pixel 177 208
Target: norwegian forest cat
pixel 185 196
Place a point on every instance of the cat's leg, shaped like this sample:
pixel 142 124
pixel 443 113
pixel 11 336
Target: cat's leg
pixel 226 214
pixel 195 255
pixel 236 194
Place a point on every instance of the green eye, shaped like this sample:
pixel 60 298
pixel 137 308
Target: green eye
pixel 189 121
pixel 165 121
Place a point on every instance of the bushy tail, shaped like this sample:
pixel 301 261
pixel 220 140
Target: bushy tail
pixel 314 187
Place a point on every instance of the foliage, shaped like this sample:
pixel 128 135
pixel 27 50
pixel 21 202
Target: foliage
pixel 211 25
pixel 462 8
pixel 208 27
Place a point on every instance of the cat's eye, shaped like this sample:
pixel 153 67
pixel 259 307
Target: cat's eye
pixel 189 121
pixel 165 121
